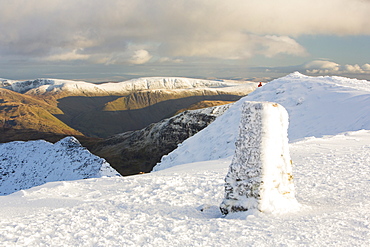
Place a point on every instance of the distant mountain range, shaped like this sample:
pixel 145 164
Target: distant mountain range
pixel 102 110
pixel 81 88
pixel 317 106
pixel 51 109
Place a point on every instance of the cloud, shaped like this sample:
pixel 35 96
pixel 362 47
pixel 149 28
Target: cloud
pixel 170 60
pixel 353 68
pixel 366 67
pixel 281 45
pixel 68 56
pixel 328 67
pixel 104 31
pixel 321 67
pixel 234 46
pixel 140 57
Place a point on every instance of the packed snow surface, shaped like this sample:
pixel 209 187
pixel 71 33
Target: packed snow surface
pixel 316 106
pixel 27 164
pixel 179 206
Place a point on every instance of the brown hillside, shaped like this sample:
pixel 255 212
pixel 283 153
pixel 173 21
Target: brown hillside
pixel 205 104
pixel 23 112
pixel 142 99
pixel 106 116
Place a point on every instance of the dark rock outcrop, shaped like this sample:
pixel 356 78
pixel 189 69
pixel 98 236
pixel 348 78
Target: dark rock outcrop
pixel 139 151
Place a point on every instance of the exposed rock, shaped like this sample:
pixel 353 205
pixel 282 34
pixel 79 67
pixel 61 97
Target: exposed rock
pixel 139 151
pixel 260 175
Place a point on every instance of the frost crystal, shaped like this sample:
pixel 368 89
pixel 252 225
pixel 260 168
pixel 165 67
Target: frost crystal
pixel 260 175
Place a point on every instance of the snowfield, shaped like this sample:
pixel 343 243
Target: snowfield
pixel 164 208
pixel 178 205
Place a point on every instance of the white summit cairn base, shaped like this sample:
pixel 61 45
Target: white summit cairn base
pixel 260 175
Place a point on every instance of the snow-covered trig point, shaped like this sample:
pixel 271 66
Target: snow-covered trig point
pixel 260 175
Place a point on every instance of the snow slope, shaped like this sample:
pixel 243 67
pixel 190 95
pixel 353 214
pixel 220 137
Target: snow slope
pixel 42 86
pixel 317 106
pixel 24 165
pixel 164 208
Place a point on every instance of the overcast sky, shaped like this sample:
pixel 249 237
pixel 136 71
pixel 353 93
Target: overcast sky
pixel 119 39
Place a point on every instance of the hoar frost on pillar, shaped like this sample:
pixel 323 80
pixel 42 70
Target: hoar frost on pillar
pixel 260 175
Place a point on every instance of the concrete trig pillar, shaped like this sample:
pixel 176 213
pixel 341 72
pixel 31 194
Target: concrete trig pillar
pixel 260 175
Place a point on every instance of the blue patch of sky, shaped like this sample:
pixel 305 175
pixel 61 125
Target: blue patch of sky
pixel 339 49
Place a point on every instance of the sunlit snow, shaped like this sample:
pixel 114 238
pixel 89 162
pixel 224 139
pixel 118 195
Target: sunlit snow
pixel 316 106
pixel 27 164
pixel 41 86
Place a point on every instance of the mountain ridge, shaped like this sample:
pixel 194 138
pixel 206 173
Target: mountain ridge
pixel 102 110
pixel 55 86
pixel 317 106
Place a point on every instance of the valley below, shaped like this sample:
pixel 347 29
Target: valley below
pixel 89 114
pixel 120 122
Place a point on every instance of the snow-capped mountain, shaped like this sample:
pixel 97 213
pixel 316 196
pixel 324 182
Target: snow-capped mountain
pixel 317 106
pixel 24 165
pixel 43 86
pixel 103 110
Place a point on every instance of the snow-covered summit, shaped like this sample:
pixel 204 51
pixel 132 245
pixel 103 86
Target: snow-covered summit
pixel 179 206
pixel 42 86
pixel 317 106
pixel 27 164
pixel 24 86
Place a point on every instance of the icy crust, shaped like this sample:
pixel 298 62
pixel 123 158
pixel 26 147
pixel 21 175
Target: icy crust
pixel 41 86
pixel 317 106
pixel 27 164
pixel 260 175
